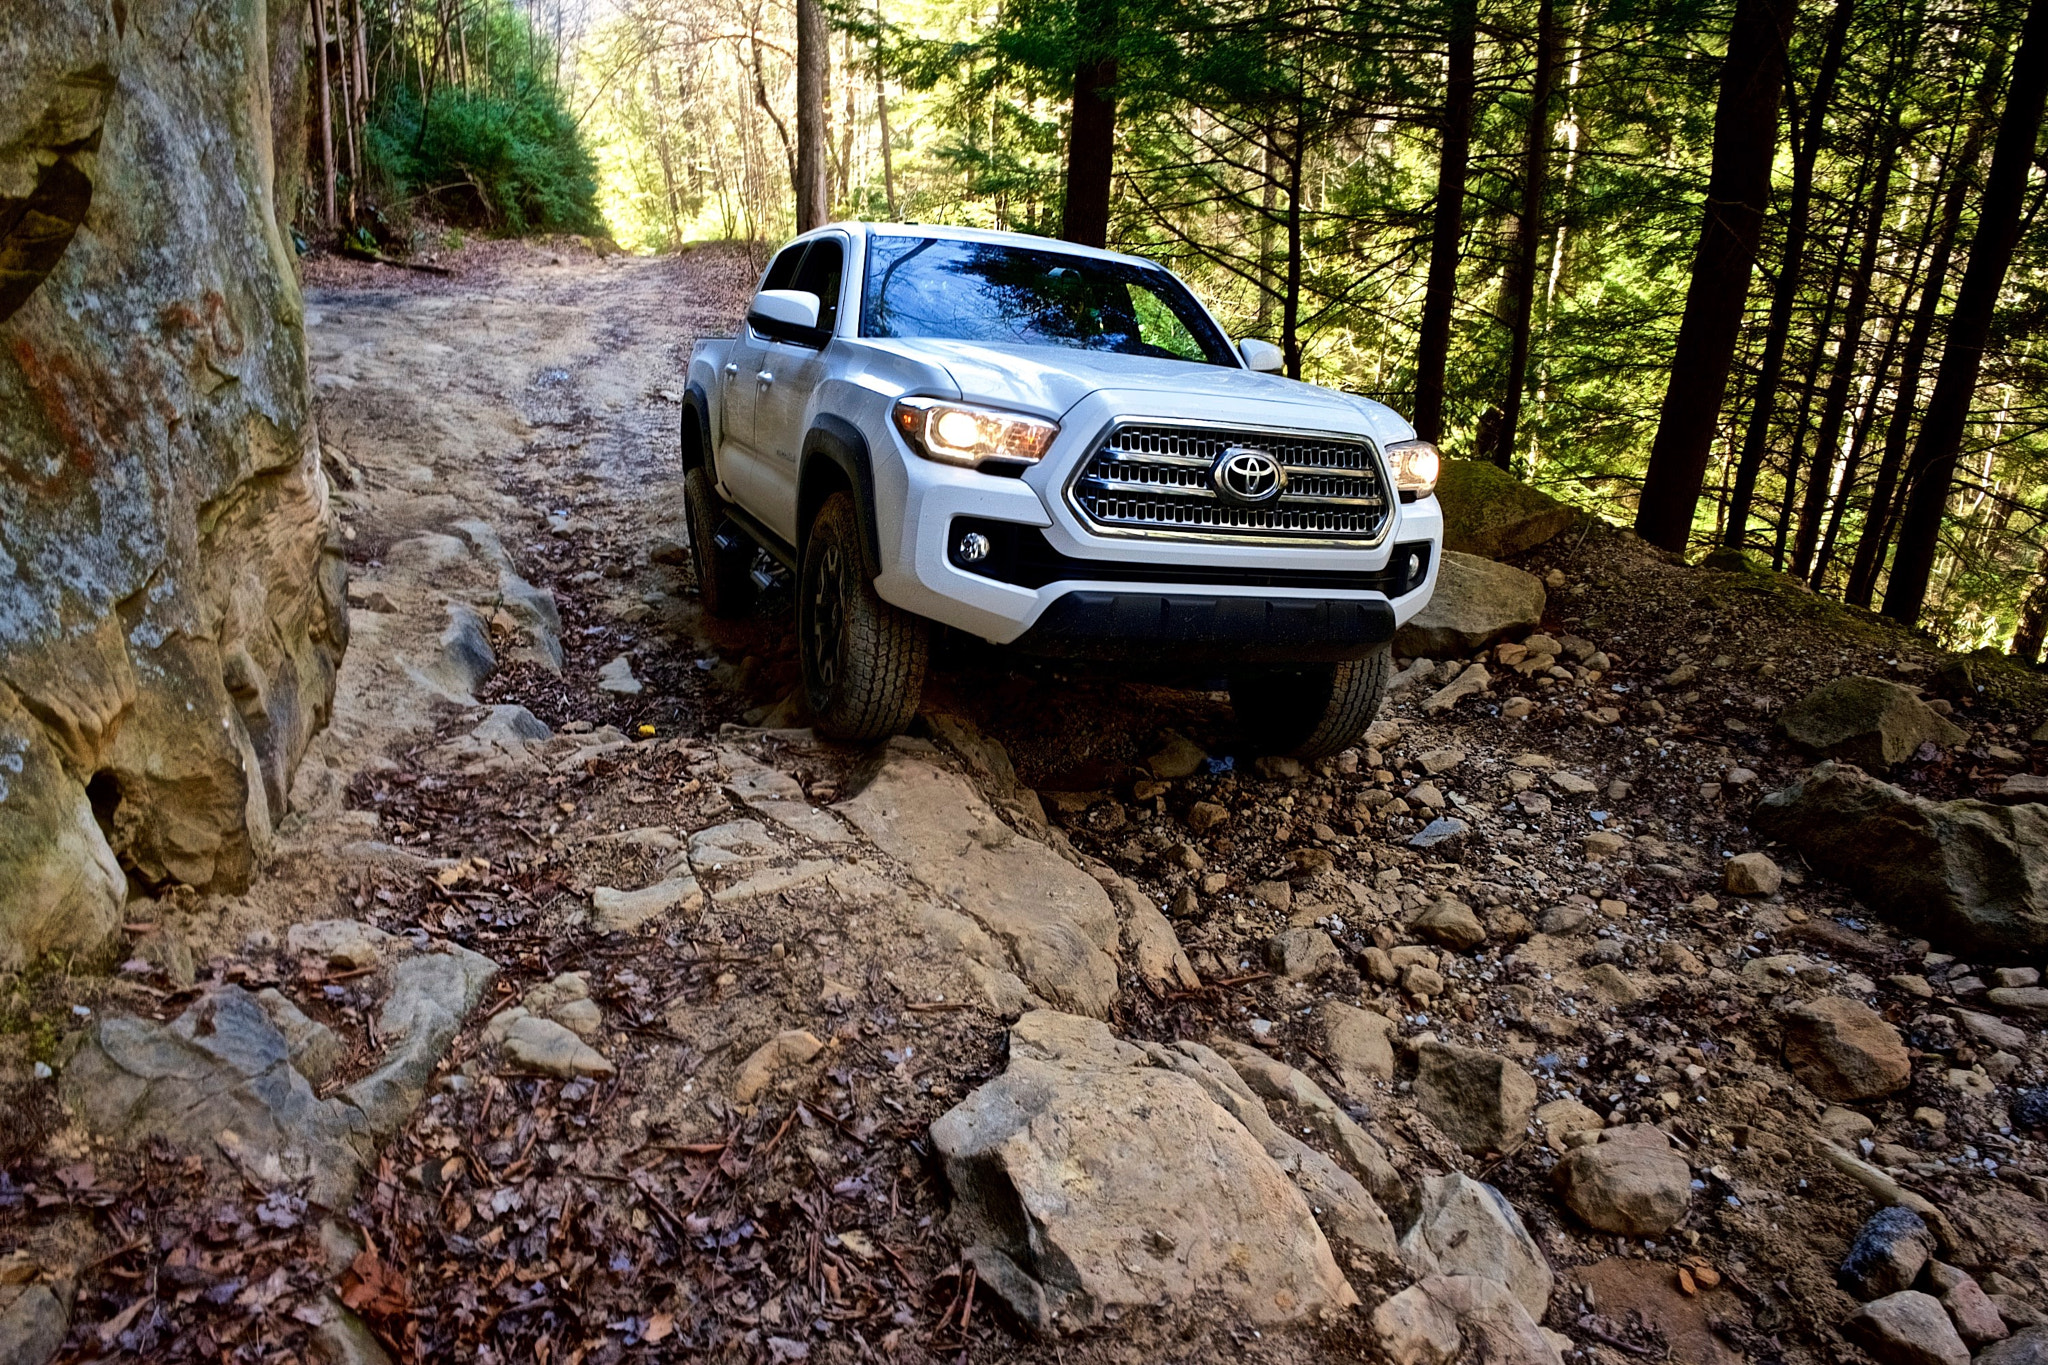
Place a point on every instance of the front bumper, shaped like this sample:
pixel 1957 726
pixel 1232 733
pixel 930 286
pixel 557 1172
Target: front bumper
pixel 1055 585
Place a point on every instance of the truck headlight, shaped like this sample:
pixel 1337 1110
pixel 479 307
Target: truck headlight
pixel 1416 465
pixel 955 433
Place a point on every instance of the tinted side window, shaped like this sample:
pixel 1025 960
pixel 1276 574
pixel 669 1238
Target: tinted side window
pixel 820 274
pixel 782 271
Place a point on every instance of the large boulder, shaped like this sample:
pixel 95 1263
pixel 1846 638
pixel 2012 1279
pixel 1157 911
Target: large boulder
pixel 1490 513
pixel 1480 1099
pixel 1476 603
pixel 1633 1184
pixel 1866 721
pixel 173 612
pixel 1467 1227
pixel 1967 875
pixel 1086 1178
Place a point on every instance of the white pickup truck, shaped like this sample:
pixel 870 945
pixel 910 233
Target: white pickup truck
pixel 1055 449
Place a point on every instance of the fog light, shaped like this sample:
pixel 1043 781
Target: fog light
pixel 973 548
pixel 1414 570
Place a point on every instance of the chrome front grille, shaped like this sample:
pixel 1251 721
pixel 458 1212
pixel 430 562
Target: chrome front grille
pixel 1156 480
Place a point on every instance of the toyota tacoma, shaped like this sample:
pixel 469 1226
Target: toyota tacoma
pixel 1055 449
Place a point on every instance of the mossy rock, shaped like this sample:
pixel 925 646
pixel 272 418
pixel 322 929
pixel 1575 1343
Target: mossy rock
pixel 1490 513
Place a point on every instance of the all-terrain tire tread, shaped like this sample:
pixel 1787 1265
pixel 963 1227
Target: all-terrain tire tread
pixel 724 585
pixel 887 648
pixel 1312 713
pixel 1355 696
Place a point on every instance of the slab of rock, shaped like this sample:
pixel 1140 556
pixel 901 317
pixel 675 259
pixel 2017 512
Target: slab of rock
pixel 1891 1249
pixel 431 995
pixel 617 676
pixel 791 1047
pixel 542 1047
pixel 1907 1328
pixel 1359 1044
pixel 2028 1000
pixel 1481 1100
pixel 1634 1188
pixel 1752 874
pixel 1490 513
pixel 1054 918
pixel 1467 1227
pixel 221 1066
pixel 775 795
pixel 2027 1346
pixel 1969 876
pixel 1155 948
pixel 1085 1179
pixel 1476 603
pixel 1869 722
pixel 1479 1317
pixel 616 911
pixel 1843 1050
pixel 736 846
pixel 1996 1032
pixel 1975 1316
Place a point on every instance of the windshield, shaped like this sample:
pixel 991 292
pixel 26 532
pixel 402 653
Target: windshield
pixel 945 289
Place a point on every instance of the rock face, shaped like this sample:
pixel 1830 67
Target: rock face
pixel 1085 1178
pixel 1968 875
pixel 173 613
pixel 1866 721
pixel 1476 603
pixel 1844 1050
pixel 1490 513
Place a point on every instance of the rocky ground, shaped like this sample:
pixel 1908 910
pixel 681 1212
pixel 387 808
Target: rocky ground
pixel 590 1008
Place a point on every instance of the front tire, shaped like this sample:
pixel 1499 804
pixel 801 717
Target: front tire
pixel 1314 710
pixel 723 583
pixel 863 659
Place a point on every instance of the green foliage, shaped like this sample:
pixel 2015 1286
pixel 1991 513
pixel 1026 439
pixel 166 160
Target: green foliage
pixel 498 148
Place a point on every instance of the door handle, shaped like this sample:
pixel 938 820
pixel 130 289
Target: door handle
pixel 764 379
pixel 731 369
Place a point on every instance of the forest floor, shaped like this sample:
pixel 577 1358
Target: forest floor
pixel 531 401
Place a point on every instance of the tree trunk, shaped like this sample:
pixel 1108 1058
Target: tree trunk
pixel 1745 140
pixel 1290 301
pixel 1091 133
pixel 882 120
pixel 1520 287
pixel 326 114
pixel 1821 472
pixel 813 59
pixel 2033 623
pixel 1434 349
pixel 1877 524
pixel 1771 366
pixel 1998 228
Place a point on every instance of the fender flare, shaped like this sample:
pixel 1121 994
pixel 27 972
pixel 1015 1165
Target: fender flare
pixel 697 409
pixel 833 442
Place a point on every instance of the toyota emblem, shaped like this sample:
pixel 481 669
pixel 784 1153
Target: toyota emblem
pixel 1245 475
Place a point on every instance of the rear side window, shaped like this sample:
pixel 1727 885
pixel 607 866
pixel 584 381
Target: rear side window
pixel 823 266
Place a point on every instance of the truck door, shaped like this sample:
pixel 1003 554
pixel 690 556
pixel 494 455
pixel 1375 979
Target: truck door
pixel 790 373
pixel 740 391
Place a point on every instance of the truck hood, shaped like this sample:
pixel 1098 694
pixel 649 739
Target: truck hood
pixel 1050 380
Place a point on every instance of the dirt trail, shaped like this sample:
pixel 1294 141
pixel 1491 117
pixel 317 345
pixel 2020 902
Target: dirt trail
pixel 777 989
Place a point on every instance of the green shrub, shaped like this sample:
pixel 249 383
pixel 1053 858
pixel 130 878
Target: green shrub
pixel 509 159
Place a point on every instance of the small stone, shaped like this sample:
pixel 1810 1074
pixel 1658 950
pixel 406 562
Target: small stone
pixel 1844 1051
pixel 1888 1254
pixel 1178 757
pixel 1416 1329
pixel 1438 831
pixel 1907 1328
pixel 1602 845
pixel 1912 984
pixel 1359 1044
pixel 1278 768
pixel 346 944
pixel 1613 985
pixel 617 676
pixel 1561 1118
pixel 1185 904
pixel 1631 1188
pixel 2026 1346
pixel 1437 761
pixel 1572 784
pixel 791 1047
pixel 1975 1316
pixel 545 1048
pixel 1467 1227
pixel 1451 923
pixel 1845 1127
pixel 1481 1101
pixel 1299 954
pixel 1752 874
pixel 2015 976
pixel 2028 1000
pixel 1204 816
pixel 1421 982
pixel 617 911
pixel 1273 895
pixel 1560 920
pixel 2029 1108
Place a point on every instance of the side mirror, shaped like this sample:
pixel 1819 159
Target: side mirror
pixel 787 315
pixel 1262 356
